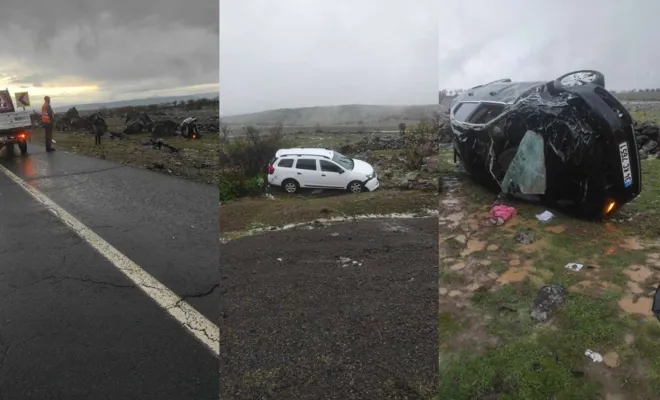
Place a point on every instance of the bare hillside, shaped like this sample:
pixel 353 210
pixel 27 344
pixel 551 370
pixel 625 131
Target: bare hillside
pixel 345 115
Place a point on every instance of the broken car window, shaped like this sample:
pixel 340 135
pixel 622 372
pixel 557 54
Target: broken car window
pixel 486 113
pixel 526 174
pixel 463 111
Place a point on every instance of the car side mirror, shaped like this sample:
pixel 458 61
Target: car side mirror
pixel 341 171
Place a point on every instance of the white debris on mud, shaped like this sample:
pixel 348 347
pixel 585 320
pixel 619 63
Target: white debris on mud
pixel 426 213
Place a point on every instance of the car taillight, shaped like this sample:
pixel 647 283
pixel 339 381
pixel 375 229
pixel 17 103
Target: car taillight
pixel 22 136
pixel 271 169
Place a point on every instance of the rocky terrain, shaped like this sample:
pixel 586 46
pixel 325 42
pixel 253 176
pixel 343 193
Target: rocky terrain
pixel 146 137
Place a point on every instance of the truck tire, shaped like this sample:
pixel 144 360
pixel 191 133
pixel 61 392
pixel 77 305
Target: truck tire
pixel 23 147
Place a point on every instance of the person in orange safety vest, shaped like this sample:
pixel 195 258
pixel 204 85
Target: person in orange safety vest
pixel 47 120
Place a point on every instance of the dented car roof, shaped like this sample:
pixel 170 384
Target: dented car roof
pixel 501 92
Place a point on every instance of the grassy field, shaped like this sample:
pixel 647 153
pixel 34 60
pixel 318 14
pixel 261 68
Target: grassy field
pixel 283 209
pixel 646 115
pixel 196 161
pixel 490 345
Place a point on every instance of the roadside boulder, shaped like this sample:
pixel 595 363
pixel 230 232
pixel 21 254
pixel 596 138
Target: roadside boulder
pixel 164 128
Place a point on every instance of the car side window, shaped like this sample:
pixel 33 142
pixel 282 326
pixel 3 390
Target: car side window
pixel 306 163
pixel 327 166
pixel 285 163
pixel 486 113
pixel 463 111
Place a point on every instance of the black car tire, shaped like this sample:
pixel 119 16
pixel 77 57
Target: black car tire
pixel 354 185
pixel 599 78
pixel 290 186
pixel 23 147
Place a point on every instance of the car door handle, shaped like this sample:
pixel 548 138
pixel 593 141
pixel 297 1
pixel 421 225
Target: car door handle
pixel 322 174
pixel 299 173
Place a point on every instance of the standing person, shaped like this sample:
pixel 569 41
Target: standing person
pixel 47 119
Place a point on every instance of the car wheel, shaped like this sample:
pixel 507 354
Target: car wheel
pixel 290 186
pixel 355 187
pixel 23 147
pixel 579 78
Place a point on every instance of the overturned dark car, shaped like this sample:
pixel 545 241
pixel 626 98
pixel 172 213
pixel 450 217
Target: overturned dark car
pixel 568 144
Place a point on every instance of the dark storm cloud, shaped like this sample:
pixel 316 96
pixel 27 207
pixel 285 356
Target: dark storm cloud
pixel 481 41
pixel 116 44
pixel 295 53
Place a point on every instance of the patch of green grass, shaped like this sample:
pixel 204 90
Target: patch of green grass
pixel 284 209
pixel 648 335
pixel 449 277
pixel 646 115
pixel 535 362
pixel 449 324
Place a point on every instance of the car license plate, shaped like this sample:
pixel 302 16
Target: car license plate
pixel 625 164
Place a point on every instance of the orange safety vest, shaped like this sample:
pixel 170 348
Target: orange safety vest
pixel 45 118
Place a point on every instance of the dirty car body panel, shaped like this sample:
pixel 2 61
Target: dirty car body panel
pixel 569 147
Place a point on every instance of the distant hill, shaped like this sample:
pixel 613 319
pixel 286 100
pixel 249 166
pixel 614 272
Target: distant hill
pixel 135 102
pixel 344 115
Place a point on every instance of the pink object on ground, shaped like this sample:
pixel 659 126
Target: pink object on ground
pixel 502 211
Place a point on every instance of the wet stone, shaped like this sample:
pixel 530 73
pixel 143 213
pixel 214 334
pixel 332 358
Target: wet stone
pixel 548 298
pixel 611 359
pixel 525 238
pixel 457 267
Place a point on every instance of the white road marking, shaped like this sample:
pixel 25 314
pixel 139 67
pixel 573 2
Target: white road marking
pixel 199 326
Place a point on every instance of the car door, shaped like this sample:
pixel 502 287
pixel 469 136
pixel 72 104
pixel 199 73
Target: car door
pixel 307 172
pixel 332 175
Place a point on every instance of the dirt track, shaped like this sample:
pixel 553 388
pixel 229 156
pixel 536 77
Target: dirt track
pixel 350 312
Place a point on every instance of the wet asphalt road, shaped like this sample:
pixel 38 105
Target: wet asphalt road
pixel 346 311
pixel 71 325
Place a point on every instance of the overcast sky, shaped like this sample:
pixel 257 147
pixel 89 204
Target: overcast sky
pixel 481 41
pixel 296 53
pixel 81 51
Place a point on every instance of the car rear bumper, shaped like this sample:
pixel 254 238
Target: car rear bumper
pixel 623 182
pixel 274 180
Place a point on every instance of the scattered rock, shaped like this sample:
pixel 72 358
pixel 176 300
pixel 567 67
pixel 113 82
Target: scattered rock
pixel 548 298
pixel 455 293
pixel 474 287
pixel 443 291
pixel 457 267
pixel 515 262
pixel 461 239
pixel 492 247
pixel 525 238
pixel 611 359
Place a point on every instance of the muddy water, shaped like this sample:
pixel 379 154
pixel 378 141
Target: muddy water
pixel 641 307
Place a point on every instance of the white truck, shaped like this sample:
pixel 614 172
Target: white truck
pixel 14 124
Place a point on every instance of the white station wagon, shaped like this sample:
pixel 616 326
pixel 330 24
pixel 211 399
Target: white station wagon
pixel 312 168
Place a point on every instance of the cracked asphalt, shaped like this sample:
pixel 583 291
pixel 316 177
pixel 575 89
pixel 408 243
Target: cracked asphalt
pixel 345 311
pixel 72 326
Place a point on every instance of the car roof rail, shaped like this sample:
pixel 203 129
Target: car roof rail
pixel 304 155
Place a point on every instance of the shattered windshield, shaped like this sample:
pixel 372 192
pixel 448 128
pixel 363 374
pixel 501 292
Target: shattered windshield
pixel 344 161
pixel 526 173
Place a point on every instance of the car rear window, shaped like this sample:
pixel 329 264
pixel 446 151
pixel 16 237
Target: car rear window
pixel 285 163
pixel 463 111
pixel 306 163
